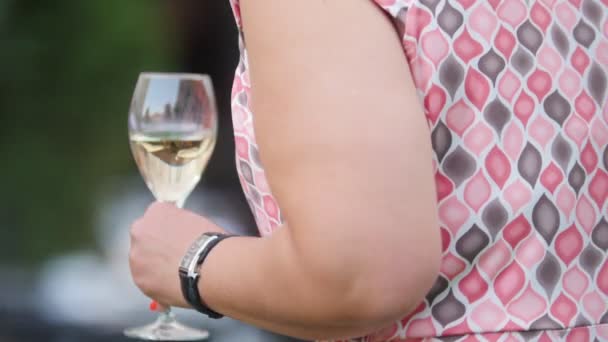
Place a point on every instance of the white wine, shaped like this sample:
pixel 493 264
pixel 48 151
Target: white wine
pixel 171 164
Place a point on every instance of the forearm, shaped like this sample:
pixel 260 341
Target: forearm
pixel 262 281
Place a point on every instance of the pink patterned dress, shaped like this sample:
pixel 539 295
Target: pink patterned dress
pixel 515 93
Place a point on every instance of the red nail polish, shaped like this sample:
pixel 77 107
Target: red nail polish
pixel 153 306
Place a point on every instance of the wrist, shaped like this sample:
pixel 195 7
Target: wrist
pixel 190 273
pixel 229 262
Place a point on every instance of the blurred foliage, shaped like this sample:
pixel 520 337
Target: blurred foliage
pixel 68 69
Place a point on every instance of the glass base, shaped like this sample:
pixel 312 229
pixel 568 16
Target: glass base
pixel 166 328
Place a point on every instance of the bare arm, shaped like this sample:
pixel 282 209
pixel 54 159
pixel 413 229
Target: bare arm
pixel 347 153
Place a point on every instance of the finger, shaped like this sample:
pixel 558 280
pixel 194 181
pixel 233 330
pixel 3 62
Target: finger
pixel 153 306
pixel 157 307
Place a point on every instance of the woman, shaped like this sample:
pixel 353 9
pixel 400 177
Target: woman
pixel 515 184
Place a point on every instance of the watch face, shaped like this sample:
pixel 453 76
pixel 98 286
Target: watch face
pixel 192 252
pixel 189 260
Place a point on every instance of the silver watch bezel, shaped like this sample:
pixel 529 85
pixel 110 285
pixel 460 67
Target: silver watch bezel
pixel 189 261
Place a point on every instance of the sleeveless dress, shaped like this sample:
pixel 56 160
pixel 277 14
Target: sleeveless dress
pixel 514 92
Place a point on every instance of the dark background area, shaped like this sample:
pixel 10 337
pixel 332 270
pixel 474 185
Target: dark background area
pixel 69 185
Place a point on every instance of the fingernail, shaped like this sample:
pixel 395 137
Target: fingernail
pixel 153 306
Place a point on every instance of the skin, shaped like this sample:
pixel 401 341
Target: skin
pixel 346 150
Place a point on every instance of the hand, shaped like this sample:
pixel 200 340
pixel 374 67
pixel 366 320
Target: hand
pixel 159 240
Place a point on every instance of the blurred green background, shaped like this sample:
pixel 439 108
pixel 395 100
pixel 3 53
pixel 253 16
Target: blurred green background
pixel 68 69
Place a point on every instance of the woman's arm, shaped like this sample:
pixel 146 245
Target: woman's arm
pixel 346 150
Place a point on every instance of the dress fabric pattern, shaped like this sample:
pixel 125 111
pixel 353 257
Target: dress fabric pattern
pixel 514 92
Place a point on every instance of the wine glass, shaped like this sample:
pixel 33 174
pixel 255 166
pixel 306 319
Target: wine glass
pixel 172 131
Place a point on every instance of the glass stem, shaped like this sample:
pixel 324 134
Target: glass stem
pixel 166 316
pixel 179 204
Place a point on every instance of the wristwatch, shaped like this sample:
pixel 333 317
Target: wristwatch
pixel 189 271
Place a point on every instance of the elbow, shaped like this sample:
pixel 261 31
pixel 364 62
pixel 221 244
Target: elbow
pixel 398 297
pixel 385 295
pixel 370 290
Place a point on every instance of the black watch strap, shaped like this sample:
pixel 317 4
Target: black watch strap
pixel 189 283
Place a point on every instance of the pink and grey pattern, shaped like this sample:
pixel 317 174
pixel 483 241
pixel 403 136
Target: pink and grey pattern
pixel 515 95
